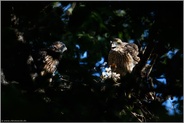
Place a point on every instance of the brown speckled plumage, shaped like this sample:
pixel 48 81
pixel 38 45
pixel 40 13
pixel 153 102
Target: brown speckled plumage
pixel 45 62
pixel 123 56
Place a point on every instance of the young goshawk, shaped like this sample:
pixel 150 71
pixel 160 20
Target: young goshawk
pixel 44 63
pixel 123 56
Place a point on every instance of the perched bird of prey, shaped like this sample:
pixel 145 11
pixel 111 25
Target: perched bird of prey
pixel 123 56
pixel 43 63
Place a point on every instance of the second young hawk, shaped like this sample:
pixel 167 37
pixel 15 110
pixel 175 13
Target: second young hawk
pixel 44 63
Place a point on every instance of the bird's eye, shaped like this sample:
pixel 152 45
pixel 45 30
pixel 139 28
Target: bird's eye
pixel 54 48
pixel 118 42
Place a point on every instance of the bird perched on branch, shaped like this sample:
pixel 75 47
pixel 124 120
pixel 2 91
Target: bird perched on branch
pixel 43 63
pixel 123 56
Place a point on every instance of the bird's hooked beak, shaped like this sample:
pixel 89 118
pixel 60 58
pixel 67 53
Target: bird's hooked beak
pixel 113 44
pixel 64 49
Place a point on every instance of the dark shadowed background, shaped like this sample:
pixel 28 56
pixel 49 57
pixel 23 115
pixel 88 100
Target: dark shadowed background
pixel 86 28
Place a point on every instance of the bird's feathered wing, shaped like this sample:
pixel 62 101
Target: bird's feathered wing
pixel 45 61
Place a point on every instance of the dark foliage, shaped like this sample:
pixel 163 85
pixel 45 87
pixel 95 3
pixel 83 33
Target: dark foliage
pixel 76 93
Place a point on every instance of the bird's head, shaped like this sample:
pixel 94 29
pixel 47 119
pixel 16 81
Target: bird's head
pixel 117 43
pixel 58 47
